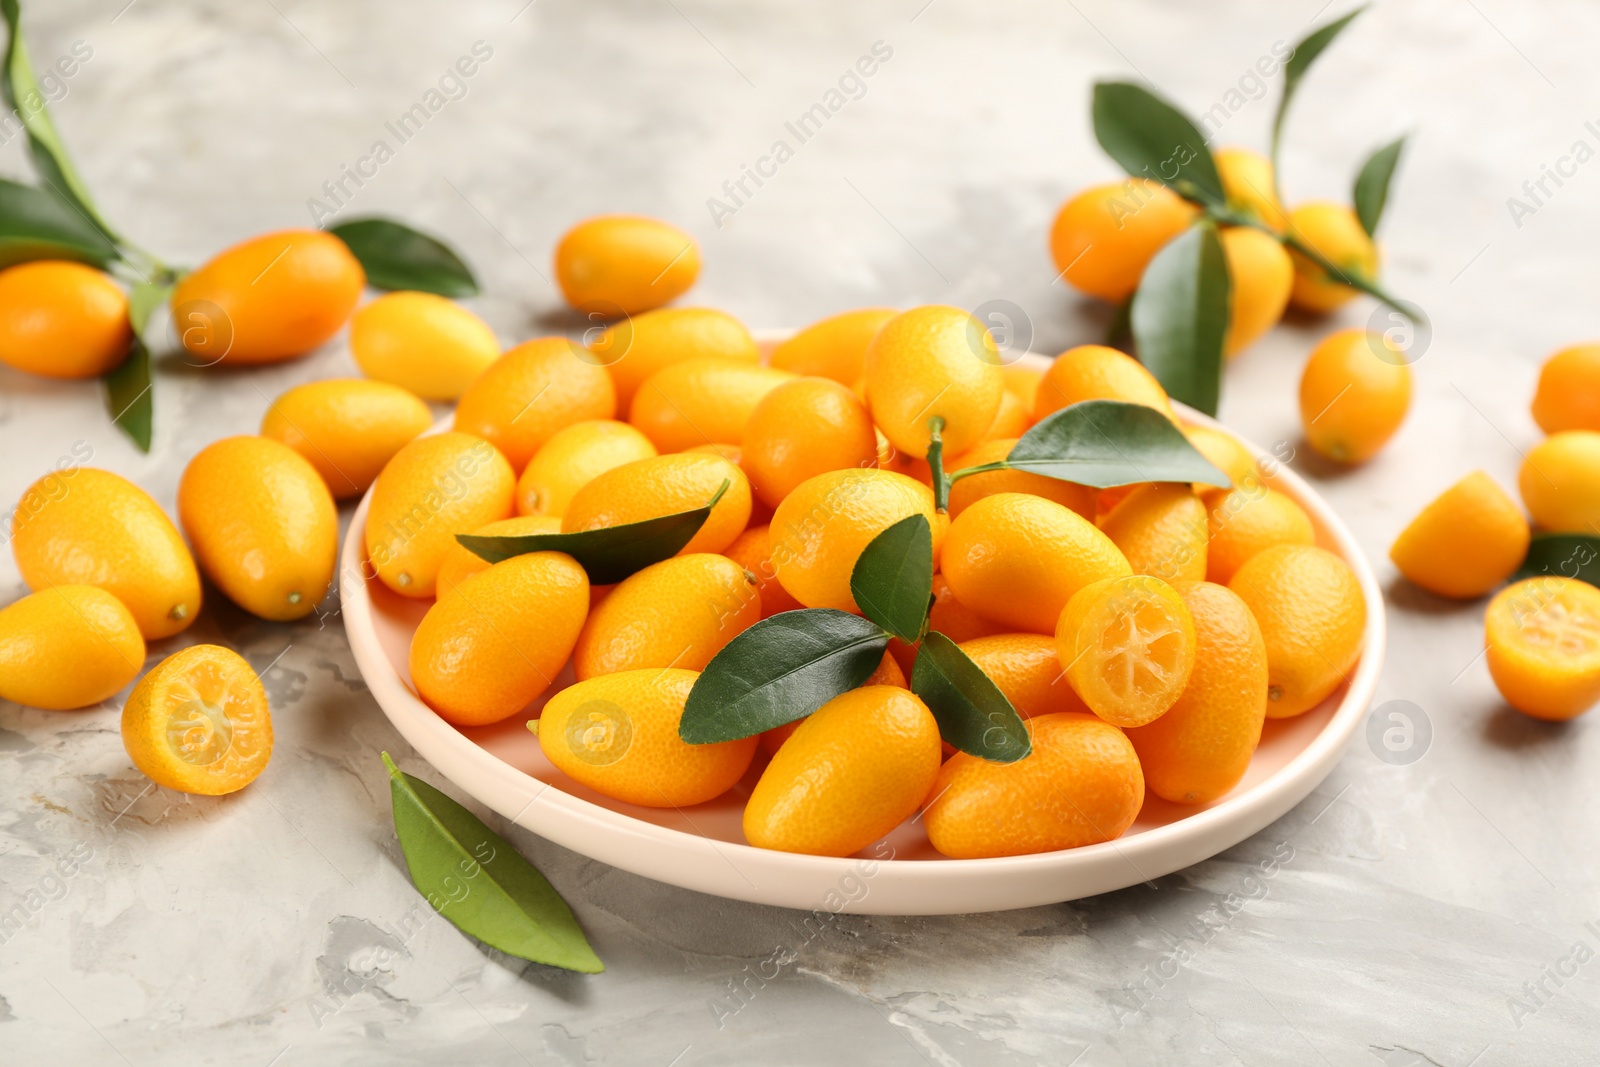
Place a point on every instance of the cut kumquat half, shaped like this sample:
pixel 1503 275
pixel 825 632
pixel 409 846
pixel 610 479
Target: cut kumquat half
pixel 1128 646
pixel 199 722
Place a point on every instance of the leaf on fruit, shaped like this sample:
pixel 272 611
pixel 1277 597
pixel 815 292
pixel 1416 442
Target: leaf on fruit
pixel 610 553
pixel 893 578
pixel 1180 316
pixel 1105 443
pixel 781 669
pixel 973 714
pixel 1150 138
pixel 397 257
pixel 477 881
pixel 1372 184
pixel 1563 555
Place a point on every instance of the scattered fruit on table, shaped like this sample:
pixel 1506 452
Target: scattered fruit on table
pixel 198 722
pixel 62 320
pixel 1543 640
pixel 423 343
pixel 1466 542
pixel 1560 482
pixel 67 646
pixel 1568 395
pixel 347 428
pixel 1354 393
pixel 624 264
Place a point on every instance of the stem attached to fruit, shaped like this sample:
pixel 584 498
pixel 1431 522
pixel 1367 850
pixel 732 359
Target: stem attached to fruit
pixel 941 483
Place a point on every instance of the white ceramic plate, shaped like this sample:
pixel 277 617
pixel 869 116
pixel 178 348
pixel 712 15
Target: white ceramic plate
pixel 702 848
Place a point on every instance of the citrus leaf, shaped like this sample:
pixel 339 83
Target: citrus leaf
pixel 1106 443
pixel 1564 555
pixel 143 301
pixel 36 225
pixel 1150 138
pixel 397 257
pixel 1300 60
pixel 1372 184
pixel 610 553
pixel 1180 316
pixel 20 89
pixel 480 883
pixel 973 714
pixel 781 669
pixel 893 578
pixel 129 395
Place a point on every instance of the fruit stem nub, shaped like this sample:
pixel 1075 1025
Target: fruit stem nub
pixel 941 484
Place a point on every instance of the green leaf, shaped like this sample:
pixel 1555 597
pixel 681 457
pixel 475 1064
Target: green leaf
pixel 1180 316
pixel 1150 138
pixel 129 396
pixel 781 669
pixel 397 257
pixel 973 714
pixel 36 225
pixel 20 89
pixel 893 578
pixel 1106 443
pixel 610 553
pixel 1300 60
pixel 1565 555
pixel 1372 184
pixel 480 883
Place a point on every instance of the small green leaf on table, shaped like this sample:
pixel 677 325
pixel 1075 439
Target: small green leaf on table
pixel 1372 184
pixel 1106 443
pixel 973 714
pixel 1564 555
pixel 1150 138
pixel 1180 316
pixel 36 225
pixel 1300 60
pixel 779 670
pixel 397 257
pixel 893 578
pixel 610 553
pixel 480 883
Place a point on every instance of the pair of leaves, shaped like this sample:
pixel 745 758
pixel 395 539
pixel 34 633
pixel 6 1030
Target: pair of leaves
pixel 478 882
pixel 395 256
pixel 1565 555
pixel 610 553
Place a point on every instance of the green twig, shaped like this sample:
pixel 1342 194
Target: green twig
pixel 941 482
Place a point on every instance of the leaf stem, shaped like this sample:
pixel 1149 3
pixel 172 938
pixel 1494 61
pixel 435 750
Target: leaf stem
pixel 394 772
pixel 941 482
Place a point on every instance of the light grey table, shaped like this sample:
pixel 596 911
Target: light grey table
pixel 1414 906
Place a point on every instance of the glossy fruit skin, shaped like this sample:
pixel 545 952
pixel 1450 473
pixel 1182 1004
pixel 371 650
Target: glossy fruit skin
pixel 460 562
pixel 1354 394
pixel 1468 540
pixel 1122 611
pixel 1568 395
pixel 835 347
pixel 1313 619
pixel 433 489
pixel 974 487
pixel 701 401
pixel 280 295
pixel 666 485
pixel 1095 372
pixel 62 320
pixel 1028 671
pixel 169 725
pixel 487 650
pixel 535 389
pixel 1228 456
pixel 573 457
pixel 84 526
pixel 933 362
pixel 1261 276
pixel 887 672
pixel 752 550
pixel 1161 529
pixel 953 618
pixel 821 528
pixel 1011 419
pixel 263 525
pixel 1543 641
pixel 422 342
pixel 618 735
pixel 1080 785
pixel 1018 559
pixel 625 264
pixel 68 646
pixel 1247 182
pixel 635 348
pixel 1242 522
pixel 853 770
pixel 1334 232
pixel 802 428
pixel 676 613
pixel 1202 746
pixel 1560 482
pixel 1105 236
pixel 1023 383
pixel 347 428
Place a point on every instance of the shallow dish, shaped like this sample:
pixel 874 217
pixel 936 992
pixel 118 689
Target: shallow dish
pixel 702 847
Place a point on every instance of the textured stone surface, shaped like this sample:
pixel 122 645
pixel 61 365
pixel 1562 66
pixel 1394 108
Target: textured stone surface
pixel 1408 904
